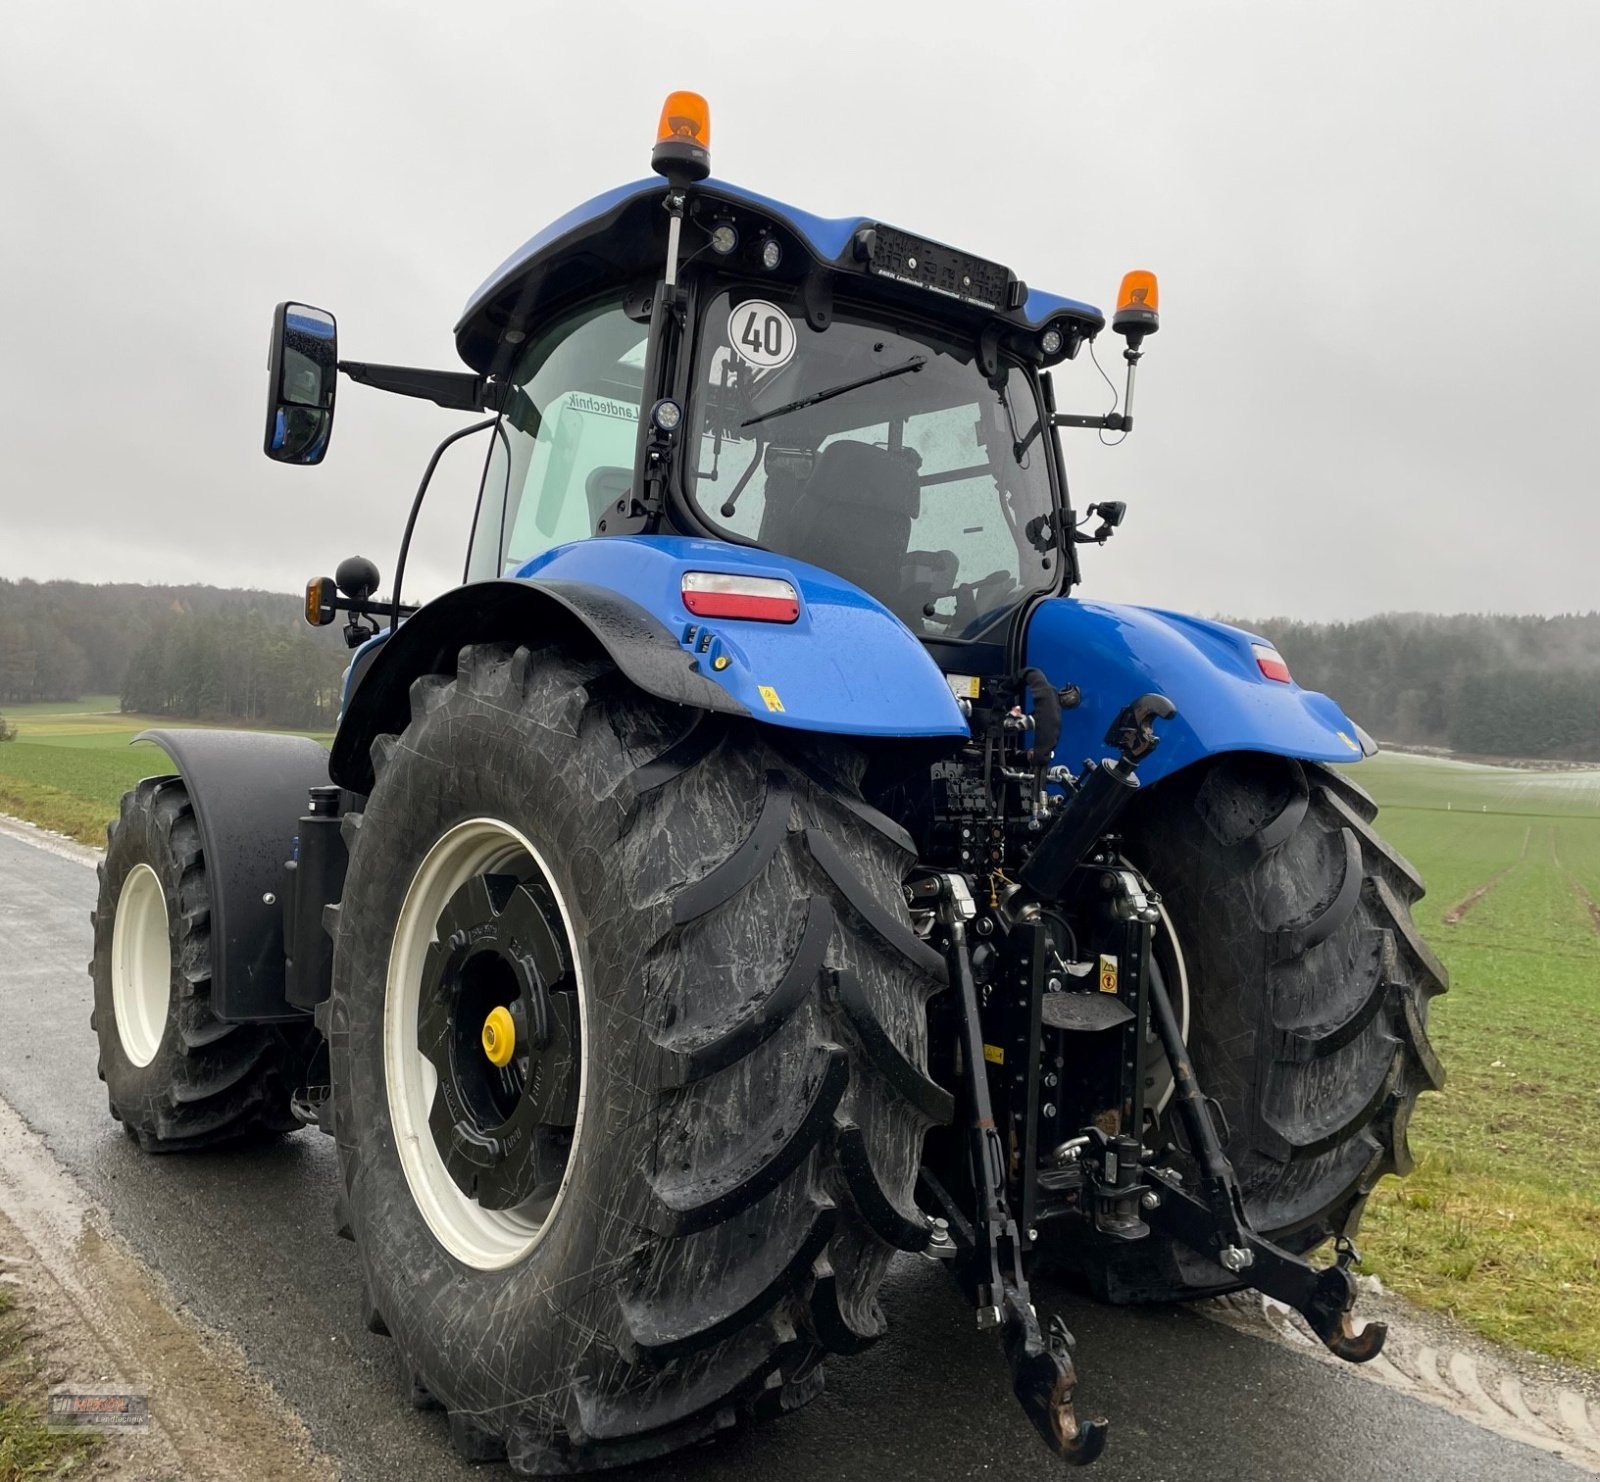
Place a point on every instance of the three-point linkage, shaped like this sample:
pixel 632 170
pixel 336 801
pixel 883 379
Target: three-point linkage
pixel 1042 1374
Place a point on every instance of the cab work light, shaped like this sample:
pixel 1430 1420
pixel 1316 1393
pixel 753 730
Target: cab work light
pixel 760 599
pixel 1270 662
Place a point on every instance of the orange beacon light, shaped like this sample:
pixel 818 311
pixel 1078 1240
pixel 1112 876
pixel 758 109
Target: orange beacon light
pixel 683 141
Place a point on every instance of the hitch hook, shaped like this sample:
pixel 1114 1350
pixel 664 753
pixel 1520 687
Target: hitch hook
pixel 1330 1311
pixel 1043 1379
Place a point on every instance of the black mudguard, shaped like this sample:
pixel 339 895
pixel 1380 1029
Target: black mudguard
pixel 248 789
pixel 377 700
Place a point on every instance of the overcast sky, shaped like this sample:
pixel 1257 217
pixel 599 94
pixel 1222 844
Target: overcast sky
pixel 1376 228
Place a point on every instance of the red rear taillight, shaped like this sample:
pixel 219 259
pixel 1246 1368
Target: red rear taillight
pixel 1270 662
pixel 760 599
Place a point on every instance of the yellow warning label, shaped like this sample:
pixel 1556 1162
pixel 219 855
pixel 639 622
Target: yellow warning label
pixel 770 695
pixel 1108 973
pixel 994 1054
pixel 963 686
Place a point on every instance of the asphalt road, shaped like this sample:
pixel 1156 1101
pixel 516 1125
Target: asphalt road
pixel 246 1242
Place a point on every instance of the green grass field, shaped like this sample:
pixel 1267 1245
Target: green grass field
pixel 71 763
pixel 1500 1222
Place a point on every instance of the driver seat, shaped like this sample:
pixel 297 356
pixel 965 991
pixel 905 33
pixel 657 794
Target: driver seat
pixel 853 517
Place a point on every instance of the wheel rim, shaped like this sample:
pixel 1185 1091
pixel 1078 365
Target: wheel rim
pixel 141 965
pixel 484 1037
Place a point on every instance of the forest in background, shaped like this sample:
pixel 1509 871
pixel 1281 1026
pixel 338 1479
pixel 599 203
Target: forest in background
pixel 1483 684
pixel 196 652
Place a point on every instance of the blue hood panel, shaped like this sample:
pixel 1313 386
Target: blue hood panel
pixel 1115 653
pixel 847 666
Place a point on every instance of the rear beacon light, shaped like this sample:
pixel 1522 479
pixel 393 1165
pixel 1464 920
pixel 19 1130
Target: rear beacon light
pixel 1270 662
pixel 759 599
pixel 683 142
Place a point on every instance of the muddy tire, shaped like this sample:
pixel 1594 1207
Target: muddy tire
pixel 744 1006
pixel 177 1077
pixel 1309 989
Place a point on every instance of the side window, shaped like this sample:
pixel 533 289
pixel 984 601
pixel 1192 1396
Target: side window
pixel 563 453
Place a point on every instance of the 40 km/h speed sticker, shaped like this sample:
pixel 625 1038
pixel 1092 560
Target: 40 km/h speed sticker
pixel 762 334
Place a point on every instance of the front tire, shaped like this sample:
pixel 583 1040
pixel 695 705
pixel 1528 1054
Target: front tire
pixel 177 1077
pixel 749 1045
pixel 1310 989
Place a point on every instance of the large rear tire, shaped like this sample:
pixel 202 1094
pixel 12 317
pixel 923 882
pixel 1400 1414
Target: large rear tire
pixel 1309 986
pixel 746 1012
pixel 177 1076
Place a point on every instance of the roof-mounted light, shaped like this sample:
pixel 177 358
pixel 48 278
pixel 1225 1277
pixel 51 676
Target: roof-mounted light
pixel 683 141
pixel 1137 301
pixel 721 594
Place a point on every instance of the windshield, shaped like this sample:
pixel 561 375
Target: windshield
pixel 880 454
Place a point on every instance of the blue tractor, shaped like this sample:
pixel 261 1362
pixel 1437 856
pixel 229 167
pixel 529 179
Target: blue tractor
pixel 765 863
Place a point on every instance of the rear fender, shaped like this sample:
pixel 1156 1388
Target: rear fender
pixel 847 666
pixel 248 790
pixel 1114 653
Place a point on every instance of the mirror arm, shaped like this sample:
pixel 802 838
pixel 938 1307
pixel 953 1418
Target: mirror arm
pixel 1111 422
pixel 458 391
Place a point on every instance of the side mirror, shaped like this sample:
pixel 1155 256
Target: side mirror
pixel 302 369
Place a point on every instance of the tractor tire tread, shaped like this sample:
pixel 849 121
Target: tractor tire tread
pixel 211 1081
pixel 800 1206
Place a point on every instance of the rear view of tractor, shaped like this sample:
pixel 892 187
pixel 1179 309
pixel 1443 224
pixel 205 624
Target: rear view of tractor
pixel 765 863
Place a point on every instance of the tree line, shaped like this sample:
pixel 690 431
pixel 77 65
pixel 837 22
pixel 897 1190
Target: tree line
pixel 1483 684
pixel 1487 685
pixel 197 652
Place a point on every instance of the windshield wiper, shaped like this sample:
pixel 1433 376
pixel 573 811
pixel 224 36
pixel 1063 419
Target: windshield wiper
pixel 914 364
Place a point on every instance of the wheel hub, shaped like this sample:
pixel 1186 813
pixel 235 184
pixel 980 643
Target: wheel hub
pixel 497 1020
pixel 499 1036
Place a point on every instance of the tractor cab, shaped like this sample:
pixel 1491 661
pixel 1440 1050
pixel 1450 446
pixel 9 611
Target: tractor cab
pixel 688 358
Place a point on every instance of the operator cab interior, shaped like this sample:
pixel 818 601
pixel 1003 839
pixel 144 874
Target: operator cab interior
pixel 879 453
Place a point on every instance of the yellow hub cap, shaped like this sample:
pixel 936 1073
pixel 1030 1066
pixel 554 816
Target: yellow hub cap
pixel 499 1036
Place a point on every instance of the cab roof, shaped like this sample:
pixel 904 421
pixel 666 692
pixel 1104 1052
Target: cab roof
pixel 620 237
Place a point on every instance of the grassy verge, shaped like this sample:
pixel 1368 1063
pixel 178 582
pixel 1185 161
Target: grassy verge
pixel 29 1451
pixel 71 763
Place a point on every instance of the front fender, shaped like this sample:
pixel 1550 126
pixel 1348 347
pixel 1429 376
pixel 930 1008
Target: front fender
pixel 847 666
pixel 1115 653
pixel 248 790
